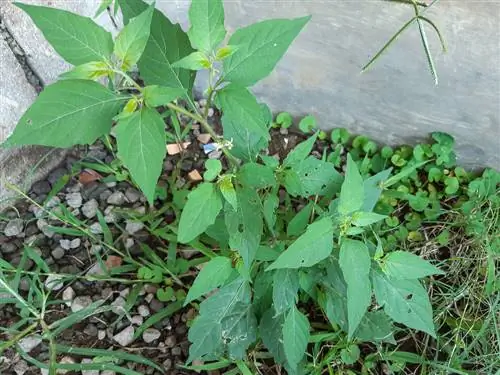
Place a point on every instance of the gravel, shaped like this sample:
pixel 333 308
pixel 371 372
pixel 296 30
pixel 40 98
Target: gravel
pixel 68 295
pixel 133 227
pixel 53 282
pixel 29 343
pixel 143 311
pixel 89 209
pixel 14 228
pixel 80 303
pixel 58 253
pixel 70 244
pixel 125 337
pixel 150 335
pixel 117 198
pixel 74 200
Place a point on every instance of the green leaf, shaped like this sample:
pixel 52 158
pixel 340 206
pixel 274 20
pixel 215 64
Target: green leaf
pixel 242 121
pixel 228 191
pixel 91 70
pixel 363 219
pixel 313 177
pixel 405 301
pixel 260 47
pixel 245 225
pixel 373 190
pixel 452 185
pixel 213 274
pixel 225 52
pixel 141 147
pixel 350 355
pixel 132 39
pixel 256 176
pixel 207 24
pixel 340 135
pixel 226 323
pixel 83 111
pixel 355 262
pixel 295 336
pixel 77 39
pixel 271 332
pixel 308 124
pixel 376 327
pixel 404 173
pixel 300 152
pixel 155 96
pixel 352 193
pixel 284 119
pixel 167 43
pixel 312 247
pixel 203 205
pixel 270 205
pixel 299 222
pixel 213 168
pixel 194 61
pixel 285 289
pixel 405 265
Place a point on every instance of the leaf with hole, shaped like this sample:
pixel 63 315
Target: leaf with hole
pixel 312 247
pixel 256 176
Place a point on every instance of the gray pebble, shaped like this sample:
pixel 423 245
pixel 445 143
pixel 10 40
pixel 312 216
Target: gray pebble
pixel 74 200
pixel 133 227
pixel 14 228
pixel 57 253
pixel 70 244
pixel 89 209
pixel 53 282
pixel 80 303
pixel 125 337
pixel 137 320
pixel 21 367
pixel 170 341
pixel 43 225
pixel 91 330
pixel 167 364
pixel 132 195
pixel 68 295
pixel 89 372
pixel 8 247
pixel 95 228
pixel 101 335
pixel 177 351
pixel 29 343
pixel 156 305
pixel 143 311
pixel 41 187
pixel 104 195
pixel 117 306
pixel 116 199
pixel 150 335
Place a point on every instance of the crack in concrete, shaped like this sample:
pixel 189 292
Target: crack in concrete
pixel 31 76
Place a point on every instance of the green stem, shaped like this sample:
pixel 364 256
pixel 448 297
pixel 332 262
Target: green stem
pixel 18 337
pixel 129 79
pixel 52 348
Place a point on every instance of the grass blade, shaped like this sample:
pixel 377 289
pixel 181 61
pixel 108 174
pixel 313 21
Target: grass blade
pixel 440 36
pixel 427 50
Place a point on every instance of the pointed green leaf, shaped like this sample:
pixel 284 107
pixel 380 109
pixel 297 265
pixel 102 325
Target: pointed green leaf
pixel 132 39
pixel 76 38
pixel 363 219
pixel 194 61
pixel 213 274
pixel 227 189
pixel 242 121
pixel 300 152
pixel 67 113
pixel 270 205
pixel 256 176
pixel 141 147
pixel 167 44
pixel 405 301
pixel 207 24
pixel 299 222
pixel 271 332
pixel 295 336
pixel 213 168
pixel 312 247
pixel 376 327
pixel 352 192
pixel 285 289
pixel 245 225
pixel 155 96
pixel 203 205
pixel 373 190
pixel 260 47
pixel 91 70
pixel 314 177
pixel 405 265
pixel 355 262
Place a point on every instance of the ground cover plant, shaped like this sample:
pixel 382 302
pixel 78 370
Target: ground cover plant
pixel 323 254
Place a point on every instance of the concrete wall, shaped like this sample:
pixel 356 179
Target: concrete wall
pixel 396 101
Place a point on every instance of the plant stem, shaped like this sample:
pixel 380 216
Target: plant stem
pixel 19 336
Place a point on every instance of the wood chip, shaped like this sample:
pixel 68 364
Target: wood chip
pixel 176 148
pixel 204 138
pixel 88 175
pixel 194 176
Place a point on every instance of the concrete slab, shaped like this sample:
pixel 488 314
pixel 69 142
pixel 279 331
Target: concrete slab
pixel 41 56
pixel 25 165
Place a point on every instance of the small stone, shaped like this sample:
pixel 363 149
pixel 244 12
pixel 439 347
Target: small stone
pixel 29 343
pixel 168 166
pixel 68 295
pixel 41 187
pixel 43 225
pixel 89 372
pixel 65 244
pixel 177 351
pixel 143 311
pixel 133 227
pixel 132 195
pixel 125 292
pixel 215 154
pixel 167 364
pixel 89 209
pixel 95 228
pixel 108 372
pixel 104 195
pixel 75 243
pixel 66 360
pixel 91 330
pixel 106 293
pixel 74 200
pixel 8 247
pixel 125 337
pixel 53 282
pixel 21 367
pixel 116 199
pixel 137 320
pixel 80 303
pixel 101 335
pixel 57 253
pixel 117 306
pixel 111 184
pixel 149 297
pixel 14 228
pixel 129 242
pixel 150 335
pixel 194 176
pixel 210 112
pixel 170 341
pixel 283 131
pixel 95 270
pixel 176 148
